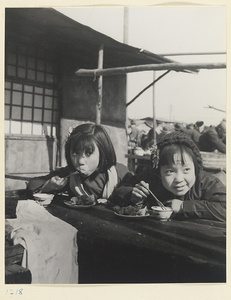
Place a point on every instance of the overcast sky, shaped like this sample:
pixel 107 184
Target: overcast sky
pixel 163 30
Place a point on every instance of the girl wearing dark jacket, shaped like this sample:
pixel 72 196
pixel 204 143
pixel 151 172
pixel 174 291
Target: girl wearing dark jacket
pixel 91 158
pixel 177 179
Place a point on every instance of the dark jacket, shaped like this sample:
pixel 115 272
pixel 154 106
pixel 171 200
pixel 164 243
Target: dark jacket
pixel 210 141
pixel 194 134
pixel 205 200
pixel 93 184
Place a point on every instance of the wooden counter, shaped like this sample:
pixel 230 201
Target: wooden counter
pixel 117 250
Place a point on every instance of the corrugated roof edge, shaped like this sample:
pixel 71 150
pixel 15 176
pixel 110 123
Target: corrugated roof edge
pixel 50 17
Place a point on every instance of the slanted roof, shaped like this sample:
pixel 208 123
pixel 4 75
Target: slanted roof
pixel 51 28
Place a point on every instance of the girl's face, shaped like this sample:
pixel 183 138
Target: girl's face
pixel 178 178
pixel 86 162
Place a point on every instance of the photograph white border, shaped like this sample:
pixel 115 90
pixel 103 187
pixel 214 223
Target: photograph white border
pixel 125 291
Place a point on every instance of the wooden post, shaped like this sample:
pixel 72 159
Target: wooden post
pixel 125 41
pixel 125 36
pixel 100 87
pixel 154 110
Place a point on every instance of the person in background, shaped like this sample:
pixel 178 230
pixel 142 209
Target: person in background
pixel 148 139
pixel 134 136
pixel 160 130
pixel 214 139
pixel 190 126
pixel 179 127
pixel 177 179
pixel 193 133
pixel 90 153
pixel 199 126
pixel 190 131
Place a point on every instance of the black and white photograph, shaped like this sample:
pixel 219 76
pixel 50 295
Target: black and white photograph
pixel 115 147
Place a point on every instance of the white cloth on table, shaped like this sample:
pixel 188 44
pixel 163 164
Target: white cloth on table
pixel 51 251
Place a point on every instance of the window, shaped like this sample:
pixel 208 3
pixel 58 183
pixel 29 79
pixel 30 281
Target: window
pixel 31 95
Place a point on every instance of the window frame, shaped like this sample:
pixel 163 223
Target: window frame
pixel 25 93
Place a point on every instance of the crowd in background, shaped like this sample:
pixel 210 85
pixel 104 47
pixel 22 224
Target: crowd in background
pixel 207 138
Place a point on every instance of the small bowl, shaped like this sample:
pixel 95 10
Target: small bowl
pixel 43 199
pixel 139 151
pixel 161 214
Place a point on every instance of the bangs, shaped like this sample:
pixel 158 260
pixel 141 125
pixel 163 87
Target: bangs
pixel 168 155
pixel 84 139
pixel 81 143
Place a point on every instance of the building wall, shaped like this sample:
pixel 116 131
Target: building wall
pixel 43 98
pixel 26 157
pixel 79 98
pixel 31 111
pixel 80 92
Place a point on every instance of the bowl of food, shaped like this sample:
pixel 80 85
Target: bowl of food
pixel 162 214
pixel 81 201
pixel 43 199
pixel 131 212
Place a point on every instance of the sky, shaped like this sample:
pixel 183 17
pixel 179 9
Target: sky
pixel 178 96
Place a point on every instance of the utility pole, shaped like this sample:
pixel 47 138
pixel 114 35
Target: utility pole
pixel 154 109
pixel 125 33
pixel 125 41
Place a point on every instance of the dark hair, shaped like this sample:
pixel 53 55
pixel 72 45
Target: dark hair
pixel 171 143
pixel 167 155
pixel 83 138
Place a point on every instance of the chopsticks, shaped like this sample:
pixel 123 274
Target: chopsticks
pixel 74 173
pixel 157 200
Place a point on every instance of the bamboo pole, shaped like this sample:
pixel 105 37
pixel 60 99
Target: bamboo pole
pixel 192 53
pixel 125 36
pixel 154 109
pixel 209 106
pixel 147 87
pixel 100 87
pixel 148 67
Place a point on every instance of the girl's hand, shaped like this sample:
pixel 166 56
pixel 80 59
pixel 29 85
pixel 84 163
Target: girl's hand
pixel 176 205
pixel 139 192
pixel 56 183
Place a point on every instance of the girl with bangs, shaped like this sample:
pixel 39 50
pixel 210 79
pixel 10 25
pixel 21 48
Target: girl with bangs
pixel 91 160
pixel 178 180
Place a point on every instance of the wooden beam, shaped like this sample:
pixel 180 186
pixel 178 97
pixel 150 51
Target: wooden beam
pixel 192 53
pixel 100 87
pixel 149 67
pixel 209 106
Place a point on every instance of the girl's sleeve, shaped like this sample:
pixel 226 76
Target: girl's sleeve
pixel 212 203
pixel 122 170
pixel 122 193
pixel 36 183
